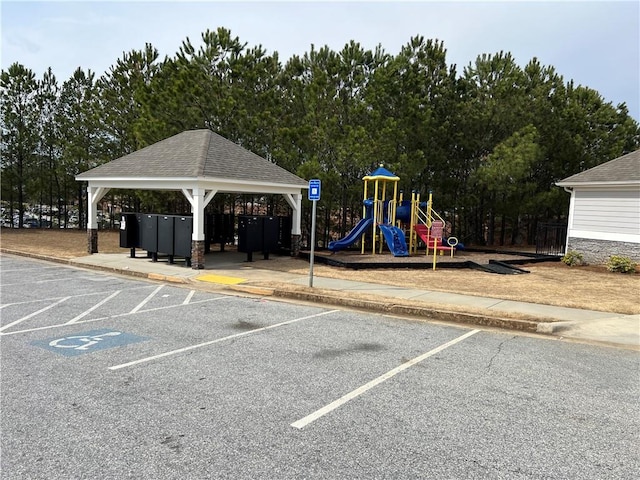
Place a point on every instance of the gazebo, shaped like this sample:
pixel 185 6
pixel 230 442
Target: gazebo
pixel 199 163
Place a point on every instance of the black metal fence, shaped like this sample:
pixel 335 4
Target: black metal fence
pixel 551 239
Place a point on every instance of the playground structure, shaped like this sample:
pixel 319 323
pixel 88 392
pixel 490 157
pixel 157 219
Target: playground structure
pixel 392 219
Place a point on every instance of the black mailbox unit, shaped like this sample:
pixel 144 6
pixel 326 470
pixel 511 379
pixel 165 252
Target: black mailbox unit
pixel 165 235
pixel 270 234
pixel 139 231
pixel 249 235
pixel 149 234
pixel 129 236
pixel 183 229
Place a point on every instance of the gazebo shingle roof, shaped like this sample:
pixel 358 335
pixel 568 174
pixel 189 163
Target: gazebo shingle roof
pixel 195 154
pixel 624 169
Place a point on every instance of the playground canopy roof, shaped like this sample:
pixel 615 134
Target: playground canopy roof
pixel 199 156
pixel 381 173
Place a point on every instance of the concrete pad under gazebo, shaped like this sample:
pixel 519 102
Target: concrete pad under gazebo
pixel 200 164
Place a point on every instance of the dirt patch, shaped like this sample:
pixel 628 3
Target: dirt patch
pixel 57 243
pixel 553 283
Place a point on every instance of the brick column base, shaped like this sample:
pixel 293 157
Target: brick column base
pixel 92 240
pixel 295 245
pixel 197 254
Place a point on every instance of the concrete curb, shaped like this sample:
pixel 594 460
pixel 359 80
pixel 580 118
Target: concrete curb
pixel 554 327
pixel 253 290
pixel 412 310
pixel 102 268
pixel 64 261
pixel 167 278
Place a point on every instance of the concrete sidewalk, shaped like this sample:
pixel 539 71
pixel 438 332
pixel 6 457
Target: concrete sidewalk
pixel 230 272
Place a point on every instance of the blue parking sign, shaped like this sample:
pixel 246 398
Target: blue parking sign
pixel 314 189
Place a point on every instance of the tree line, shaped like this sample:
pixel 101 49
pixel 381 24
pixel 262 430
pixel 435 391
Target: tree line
pixel 489 142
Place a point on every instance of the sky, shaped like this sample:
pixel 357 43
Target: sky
pixel 595 44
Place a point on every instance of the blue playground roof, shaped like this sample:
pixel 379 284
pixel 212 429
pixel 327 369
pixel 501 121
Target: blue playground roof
pixel 381 173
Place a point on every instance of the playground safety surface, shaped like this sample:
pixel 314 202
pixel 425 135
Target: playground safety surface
pixel 461 259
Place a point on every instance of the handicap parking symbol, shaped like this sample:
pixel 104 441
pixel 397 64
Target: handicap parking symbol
pixel 87 342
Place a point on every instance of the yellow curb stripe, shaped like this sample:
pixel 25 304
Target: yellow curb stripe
pixel 221 279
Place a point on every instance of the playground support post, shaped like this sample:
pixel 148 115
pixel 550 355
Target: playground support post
pixel 413 236
pixel 435 252
pixel 364 214
pixel 394 208
pixel 376 219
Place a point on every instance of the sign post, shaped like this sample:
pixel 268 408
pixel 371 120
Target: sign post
pixel 314 196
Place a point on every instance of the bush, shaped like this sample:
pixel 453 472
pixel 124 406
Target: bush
pixel 621 264
pixel 573 258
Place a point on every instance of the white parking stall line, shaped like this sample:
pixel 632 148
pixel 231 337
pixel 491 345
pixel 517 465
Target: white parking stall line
pixel 9 325
pixel 27 269
pixel 96 306
pixel 303 422
pixel 189 297
pixel 118 315
pixel 62 279
pixel 49 299
pixel 218 340
pixel 149 297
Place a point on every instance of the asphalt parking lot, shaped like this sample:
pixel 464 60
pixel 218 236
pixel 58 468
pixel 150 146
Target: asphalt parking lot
pixel 108 377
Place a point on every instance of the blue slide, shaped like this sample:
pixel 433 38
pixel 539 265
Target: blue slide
pixel 395 240
pixel 352 237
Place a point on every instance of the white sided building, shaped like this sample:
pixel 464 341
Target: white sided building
pixel 604 210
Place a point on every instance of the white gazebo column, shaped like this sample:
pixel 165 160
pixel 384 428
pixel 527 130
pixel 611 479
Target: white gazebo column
pixel 295 202
pixel 199 199
pixel 94 195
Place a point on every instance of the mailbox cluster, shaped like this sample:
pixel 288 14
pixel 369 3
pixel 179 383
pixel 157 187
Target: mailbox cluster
pixel 164 234
pixel 258 233
pixel 171 234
